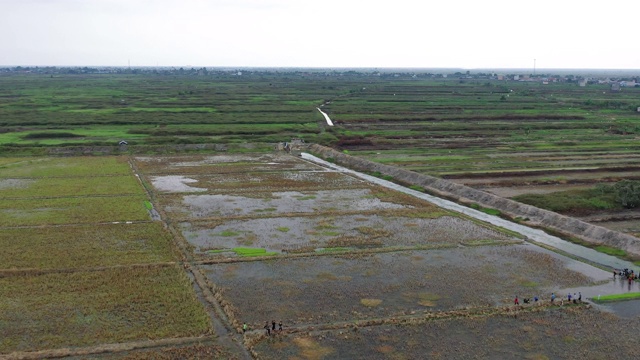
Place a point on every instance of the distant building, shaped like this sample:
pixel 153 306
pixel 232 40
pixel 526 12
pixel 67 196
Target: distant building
pixel 615 86
pixel 582 82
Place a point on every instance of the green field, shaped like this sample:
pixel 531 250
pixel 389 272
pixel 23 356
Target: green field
pixel 130 256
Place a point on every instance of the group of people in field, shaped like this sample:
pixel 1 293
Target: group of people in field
pixel 269 328
pixel 627 274
pixel 575 298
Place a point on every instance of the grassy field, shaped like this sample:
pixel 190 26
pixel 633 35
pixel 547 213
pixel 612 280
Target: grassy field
pixel 76 270
pixel 96 109
pixel 63 167
pixel 85 246
pixel 92 307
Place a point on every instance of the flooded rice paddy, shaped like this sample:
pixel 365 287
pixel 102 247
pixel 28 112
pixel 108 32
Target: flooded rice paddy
pixel 344 250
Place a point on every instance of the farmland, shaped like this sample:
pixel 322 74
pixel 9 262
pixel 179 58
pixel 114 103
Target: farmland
pixel 160 253
pixel 82 262
pixel 344 264
pixel 506 137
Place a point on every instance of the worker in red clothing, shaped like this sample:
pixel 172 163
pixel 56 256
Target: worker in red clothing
pixel 516 302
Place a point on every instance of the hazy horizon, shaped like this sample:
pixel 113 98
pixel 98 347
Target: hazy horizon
pixel 458 34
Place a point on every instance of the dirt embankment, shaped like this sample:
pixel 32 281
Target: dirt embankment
pixel 531 215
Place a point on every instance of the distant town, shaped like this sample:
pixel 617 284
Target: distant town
pixel 582 77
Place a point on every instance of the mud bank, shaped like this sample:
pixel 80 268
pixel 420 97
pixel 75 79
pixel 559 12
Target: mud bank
pixel 531 215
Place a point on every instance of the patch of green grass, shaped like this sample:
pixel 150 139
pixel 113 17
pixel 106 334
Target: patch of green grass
pixel 242 251
pixel 616 297
pixel 610 250
pixel 308 197
pixel 228 233
pixel 265 210
pixel 489 211
pixel 148 205
pixel 283 229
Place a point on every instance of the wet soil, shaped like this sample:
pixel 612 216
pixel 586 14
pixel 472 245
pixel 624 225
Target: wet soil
pixel 327 289
pixel 198 206
pixel 561 333
pixel 291 233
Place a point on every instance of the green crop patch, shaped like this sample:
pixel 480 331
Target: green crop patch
pixel 85 246
pixel 611 251
pixel 616 297
pixel 244 252
pixel 88 308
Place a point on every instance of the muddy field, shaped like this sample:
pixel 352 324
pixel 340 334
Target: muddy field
pixel 567 333
pixel 344 252
pixel 333 289
pixel 352 270
pixel 293 233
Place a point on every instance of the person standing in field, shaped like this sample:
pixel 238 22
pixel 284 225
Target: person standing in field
pixel 553 297
pixel 244 328
pixel 516 302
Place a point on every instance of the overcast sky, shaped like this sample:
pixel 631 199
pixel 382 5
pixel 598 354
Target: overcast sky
pixel 328 33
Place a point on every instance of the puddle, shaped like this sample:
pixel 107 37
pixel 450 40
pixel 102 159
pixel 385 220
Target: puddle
pixel 15 183
pixel 285 202
pixel 332 288
pixel 291 233
pixel 624 309
pixel 174 183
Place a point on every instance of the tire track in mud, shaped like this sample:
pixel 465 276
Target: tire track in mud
pixel 207 292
